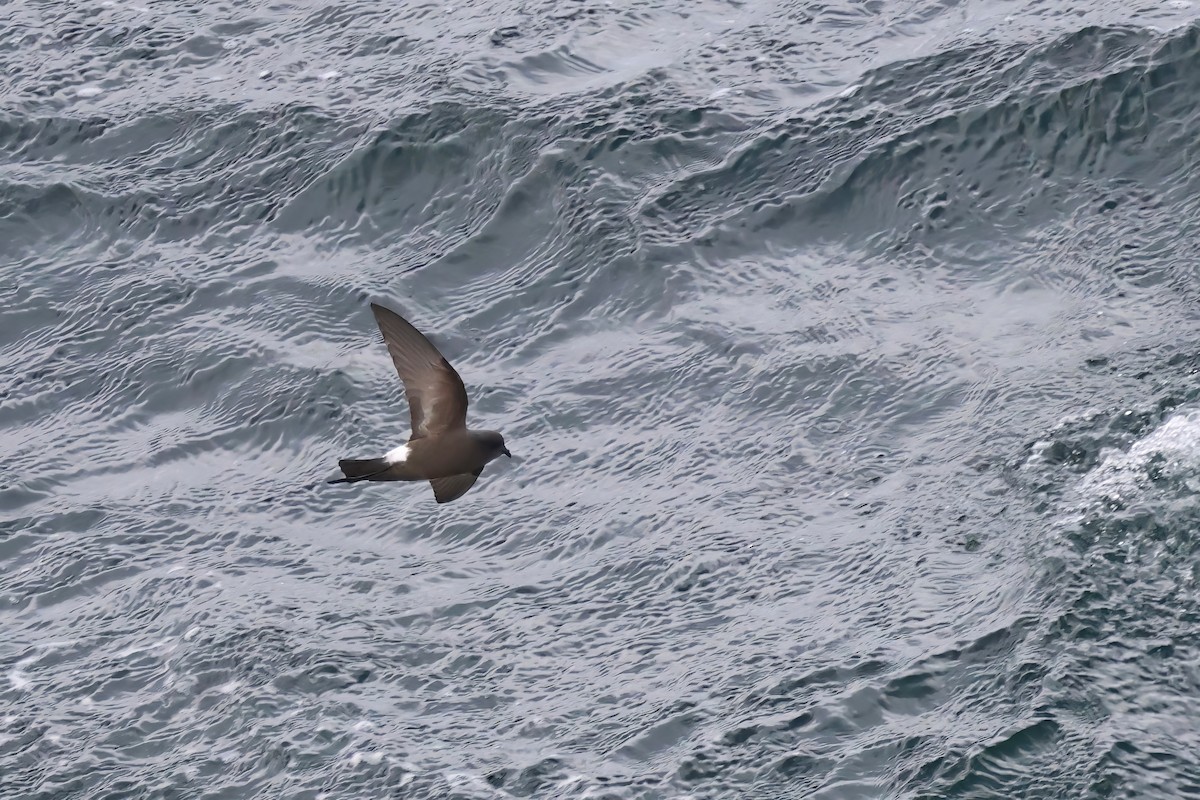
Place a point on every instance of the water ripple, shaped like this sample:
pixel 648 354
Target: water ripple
pixel 848 354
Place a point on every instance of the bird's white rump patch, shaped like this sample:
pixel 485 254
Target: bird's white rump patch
pixel 397 455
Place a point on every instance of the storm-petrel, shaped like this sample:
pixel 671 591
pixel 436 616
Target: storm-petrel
pixel 441 449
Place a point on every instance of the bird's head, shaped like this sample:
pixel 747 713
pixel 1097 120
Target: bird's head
pixel 493 444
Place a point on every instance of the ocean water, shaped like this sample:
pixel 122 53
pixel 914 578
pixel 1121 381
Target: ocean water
pixel 850 352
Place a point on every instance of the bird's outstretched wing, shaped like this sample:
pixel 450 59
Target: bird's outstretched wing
pixel 437 399
pixel 453 487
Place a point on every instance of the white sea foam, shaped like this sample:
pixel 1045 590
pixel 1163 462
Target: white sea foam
pixel 19 680
pixel 1173 448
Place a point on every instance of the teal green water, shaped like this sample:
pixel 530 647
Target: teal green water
pixel 850 352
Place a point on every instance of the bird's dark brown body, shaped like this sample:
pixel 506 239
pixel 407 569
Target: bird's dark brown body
pixel 453 453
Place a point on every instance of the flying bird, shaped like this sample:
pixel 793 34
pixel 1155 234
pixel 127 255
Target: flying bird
pixel 441 449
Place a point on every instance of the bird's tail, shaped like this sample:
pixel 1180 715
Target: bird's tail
pixel 361 469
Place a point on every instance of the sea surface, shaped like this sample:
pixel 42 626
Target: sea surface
pixel 850 353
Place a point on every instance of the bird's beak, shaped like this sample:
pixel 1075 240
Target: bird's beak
pixel 507 453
